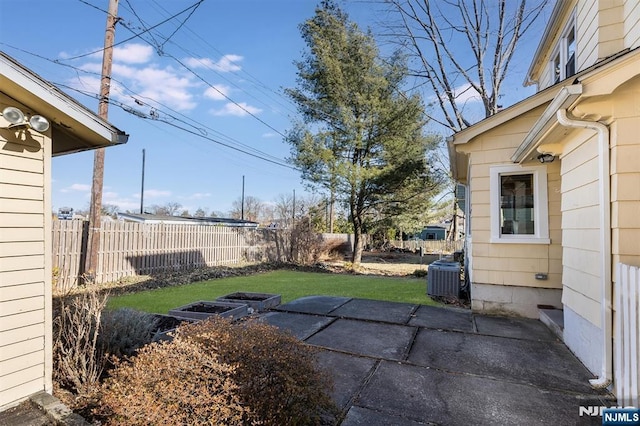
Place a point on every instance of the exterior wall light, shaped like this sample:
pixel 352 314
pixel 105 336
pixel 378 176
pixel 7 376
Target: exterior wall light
pixel 546 158
pixel 17 118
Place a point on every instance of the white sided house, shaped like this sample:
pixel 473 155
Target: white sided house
pixel 37 121
pixel 554 185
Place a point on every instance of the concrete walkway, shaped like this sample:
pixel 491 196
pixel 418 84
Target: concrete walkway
pixel 401 364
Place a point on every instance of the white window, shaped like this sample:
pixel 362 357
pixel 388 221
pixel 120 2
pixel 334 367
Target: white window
pixel 563 60
pixel 519 206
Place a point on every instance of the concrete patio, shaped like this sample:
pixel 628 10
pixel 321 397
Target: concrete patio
pixel 403 364
pixel 408 365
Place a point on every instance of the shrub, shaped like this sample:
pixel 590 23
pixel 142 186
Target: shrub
pixel 420 273
pixel 78 364
pixel 174 382
pixel 228 373
pixel 123 331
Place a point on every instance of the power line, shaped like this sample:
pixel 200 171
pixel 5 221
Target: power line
pixel 156 117
pixel 136 97
pixel 135 35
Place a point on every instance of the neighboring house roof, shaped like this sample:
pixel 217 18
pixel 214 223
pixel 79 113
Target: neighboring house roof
pixel 73 126
pixel 221 221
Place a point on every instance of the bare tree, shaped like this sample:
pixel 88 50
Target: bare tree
pixel 172 208
pixel 253 209
pixel 201 212
pixel 168 209
pixel 110 210
pixel 462 48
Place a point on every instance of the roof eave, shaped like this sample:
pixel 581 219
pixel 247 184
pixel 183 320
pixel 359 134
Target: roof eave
pixel 565 97
pixel 61 109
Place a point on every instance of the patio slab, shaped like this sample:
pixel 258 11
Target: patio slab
pixel 427 395
pixel 360 416
pixel 517 328
pixel 442 318
pixel 314 304
pixel 348 372
pixel 386 341
pixel 301 326
pixel 376 310
pixel 546 364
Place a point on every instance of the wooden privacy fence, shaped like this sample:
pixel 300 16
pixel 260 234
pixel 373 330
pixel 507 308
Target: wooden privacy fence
pixel 430 246
pixel 129 249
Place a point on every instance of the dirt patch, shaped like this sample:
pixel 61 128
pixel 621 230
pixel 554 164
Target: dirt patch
pixel 390 263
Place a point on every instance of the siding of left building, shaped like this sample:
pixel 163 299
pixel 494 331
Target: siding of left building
pixel 25 264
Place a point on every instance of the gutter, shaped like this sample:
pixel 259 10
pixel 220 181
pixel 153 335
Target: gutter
pixel 605 241
pixel 564 98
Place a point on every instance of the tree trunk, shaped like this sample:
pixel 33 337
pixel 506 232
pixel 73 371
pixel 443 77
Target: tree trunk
pixel 357 242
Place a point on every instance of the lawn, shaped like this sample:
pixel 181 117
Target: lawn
pixel 289 284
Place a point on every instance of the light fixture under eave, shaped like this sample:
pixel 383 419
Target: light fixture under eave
pixel 13 115
pixel 546 158
pixel 39 123
pixel 17 118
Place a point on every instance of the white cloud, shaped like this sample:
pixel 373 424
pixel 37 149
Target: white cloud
pixel 164 85
pixel 156 193
pixel 133 53
pixel 240 109
pixel 218 92
pixel 228 63
pixel 109 196
pixel 77 187
pixel 466 93
pixel 269 135
pixel 198 196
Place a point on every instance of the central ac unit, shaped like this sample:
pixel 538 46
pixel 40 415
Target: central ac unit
pixel 443 278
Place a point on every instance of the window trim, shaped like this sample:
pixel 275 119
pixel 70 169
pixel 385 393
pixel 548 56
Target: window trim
pixel 540 205
pixel 560 51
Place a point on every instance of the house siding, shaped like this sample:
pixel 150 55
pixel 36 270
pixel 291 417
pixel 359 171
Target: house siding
pixel 603 28
pixel 503 278
pixel 580 229
pixel 25 297
pixel 632 24
pixel 586 34
pixel 625 179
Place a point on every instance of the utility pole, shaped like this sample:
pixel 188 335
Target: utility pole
pixel 93 244
pixel 242 200
pixel 142 189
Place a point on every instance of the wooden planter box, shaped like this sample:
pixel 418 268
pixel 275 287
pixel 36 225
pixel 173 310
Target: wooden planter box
pixel 204 309
pixel 257 302
pixel 166 324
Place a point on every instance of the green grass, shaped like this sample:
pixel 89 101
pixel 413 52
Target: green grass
pixel 289 284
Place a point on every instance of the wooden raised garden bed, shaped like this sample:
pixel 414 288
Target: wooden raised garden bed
pixel 257 301
pixel 204 309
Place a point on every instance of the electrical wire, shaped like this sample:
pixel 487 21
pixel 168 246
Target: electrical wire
pixel 157 117
pixel 136 97
pixel 134 36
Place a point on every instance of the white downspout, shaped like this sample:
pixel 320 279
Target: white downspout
pixel 605 241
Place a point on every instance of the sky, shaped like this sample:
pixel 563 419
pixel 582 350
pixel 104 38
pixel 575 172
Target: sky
pixel 201 93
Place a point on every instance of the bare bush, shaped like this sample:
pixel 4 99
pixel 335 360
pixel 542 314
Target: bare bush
pixel 219 372
pixel 176 382
pixel 78 364
pixel 307 245
pixel 276 373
